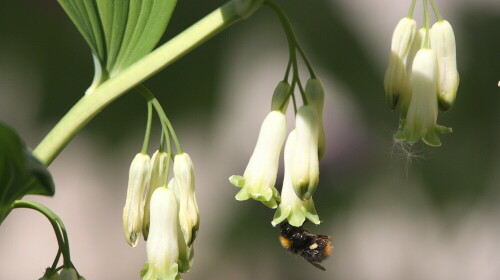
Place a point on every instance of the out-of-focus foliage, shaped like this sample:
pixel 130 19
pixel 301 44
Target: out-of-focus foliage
pixel 20 172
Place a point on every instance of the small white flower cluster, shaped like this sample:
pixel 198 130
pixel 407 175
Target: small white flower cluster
pixel 167 216
pixel 421 77
pixel 303 149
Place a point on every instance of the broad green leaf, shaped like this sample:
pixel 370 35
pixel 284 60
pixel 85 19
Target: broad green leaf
pixel 85 16
pixel 147 21
pixel 113 15
pixel 119 32
pixel 20 172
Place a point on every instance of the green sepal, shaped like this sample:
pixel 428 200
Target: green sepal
pixel 21 173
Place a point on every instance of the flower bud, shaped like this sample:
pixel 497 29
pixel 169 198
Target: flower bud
pixel 395 79
pixel 159 162
pixel 162 246
pixel 189 217
pixel 443 43
pixel 291 207
pixel 422 112
pixel 68 273
pixel 305 165
pixel 260 175
pixel 281 97
pixel 139 173
pixel 316 96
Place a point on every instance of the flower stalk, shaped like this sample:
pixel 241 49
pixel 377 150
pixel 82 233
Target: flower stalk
pixel 91 104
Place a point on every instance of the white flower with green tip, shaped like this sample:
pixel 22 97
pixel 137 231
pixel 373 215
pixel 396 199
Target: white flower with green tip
pixel 140 170
pixel 162 246
pixel 443 43
pixel 189 217
pixel 395 80
pixel 305 165
pixel 423 110
pixel 417 44
pixel 158 172
pixel 291 207
pixel 260 175
pixel 316 96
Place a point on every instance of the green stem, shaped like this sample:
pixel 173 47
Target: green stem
pixel 436 11
pixel 306 61
pixel 292 44
pixel 162 141
pixel 144 149
pixel 426 24
pixel 163 118
pixel 57 225
pixel 412 8
pixel 56 260
pixel 292 93
pixel 290 34
pixel 288 66
pixel 91 104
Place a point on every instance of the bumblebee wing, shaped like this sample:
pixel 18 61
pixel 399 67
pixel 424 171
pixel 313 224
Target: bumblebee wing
pixel 325 237
pixel 318 266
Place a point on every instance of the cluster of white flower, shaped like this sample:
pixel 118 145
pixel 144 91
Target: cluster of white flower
pixel 303 149
pixel 167 216
pixel 421 77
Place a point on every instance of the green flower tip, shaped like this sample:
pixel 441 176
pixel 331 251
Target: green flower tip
pixel 429 137
pixel 237 181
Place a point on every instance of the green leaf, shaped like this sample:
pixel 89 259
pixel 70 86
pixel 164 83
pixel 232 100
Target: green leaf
pixel 113 15
pixel 146 23
pixel 119 32
pixel 85 16
pixel 20 172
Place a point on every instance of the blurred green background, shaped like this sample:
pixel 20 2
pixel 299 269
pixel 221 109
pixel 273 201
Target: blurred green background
pixel 433 214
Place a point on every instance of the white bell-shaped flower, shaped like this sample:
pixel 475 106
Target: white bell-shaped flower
pixel 316 96
pixel 140 170
pixel 417 44
pixel 162 246
pixel 159 162
pixel 260 175
pixel 291 206
pixel 189 217
pixel 305 166
pixel 423 110
pixel 395 80
pixel 443 43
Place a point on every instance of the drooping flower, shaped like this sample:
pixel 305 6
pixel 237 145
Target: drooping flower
pixel 291 207
pixel 417 44
pixel 158 172
pixel 395 80
pixel 316 96
pixel 443 43
pixel 162 245
pixel 189 217
pixel 305 165
pixel 139 173
pixel 422 112
pixel 260 175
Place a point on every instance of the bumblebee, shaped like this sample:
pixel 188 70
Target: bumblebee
pixel 312 247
